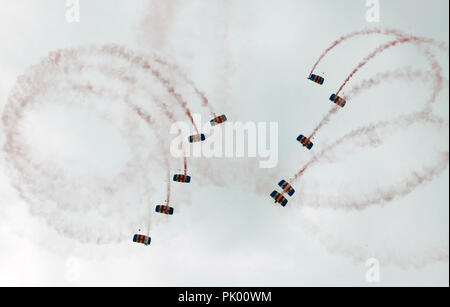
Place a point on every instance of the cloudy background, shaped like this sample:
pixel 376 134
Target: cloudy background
pixel 251 58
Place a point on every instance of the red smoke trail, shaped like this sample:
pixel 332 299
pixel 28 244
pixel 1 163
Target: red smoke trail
pixel 176 95
pixel 147 118
pixel 159 29
pixel 368 83
pixel 434 67
pixel 41 184
pixel 349 36
pixel 144 63
pixel 324 121
pixel 389 32
pixel 377 51
pixel 439 79
pixel 36 181
pixel 157 23
pixel 168 187
pixel 164 107
pixel 171 90
pixel 371 136
pixel 141 62
pixel 205 101
pixel 361 253
pixel 405 73
pixel 401 38
pixel 303 169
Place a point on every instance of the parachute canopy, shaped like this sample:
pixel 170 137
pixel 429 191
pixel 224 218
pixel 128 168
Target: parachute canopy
pixel 197 138
pixel 305 141
pixel 164 209
pixel 286 187
pixel 142 239
pixel 279 198
pixel 338 100
pixel 316 78
pixel 181 178
pixel 218 120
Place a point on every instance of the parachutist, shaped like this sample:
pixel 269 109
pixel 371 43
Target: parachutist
pixel 306 142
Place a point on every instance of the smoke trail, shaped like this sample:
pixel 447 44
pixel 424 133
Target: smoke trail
pixel 144 63
pixel 325 120
pixel 352 35
pixel 405 73
pixel 167 65
pixel 373 135
pixel 163 24
pixel 389 32
pixel 434 67
pixel 401 73
pixel 361 253
pixel 76 77
pixel 147 118
pixel 376 52
pixel 367 84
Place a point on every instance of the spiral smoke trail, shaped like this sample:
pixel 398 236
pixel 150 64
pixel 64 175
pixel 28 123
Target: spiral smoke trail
pixel 435 68
pixel 373 31
pixel 141 95
pixel 125 90
pixel 378 51
pixel 373 135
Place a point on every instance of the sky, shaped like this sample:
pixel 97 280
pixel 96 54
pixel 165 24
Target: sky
pixel 250 59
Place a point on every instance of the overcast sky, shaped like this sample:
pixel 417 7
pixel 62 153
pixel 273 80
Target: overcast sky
pixel 250 58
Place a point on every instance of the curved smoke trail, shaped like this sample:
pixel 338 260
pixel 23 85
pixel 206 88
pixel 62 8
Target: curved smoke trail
pixel 361 253
pixel 378 51
pixel 373 135
pixel 95 207
pixel 389 32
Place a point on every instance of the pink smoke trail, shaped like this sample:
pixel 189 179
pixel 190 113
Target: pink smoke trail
pixel 158 29
pixel 147 118
pixel 361 253
pixel 434 67
pixel 166 82
pixel 372 135
pixel 404 73
pixel 205 101
pixel 389 32
pixel 376 52
pixel 62 68
pixel 144 63
pixel 326 119
pixel 367 84
pixel 370 131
